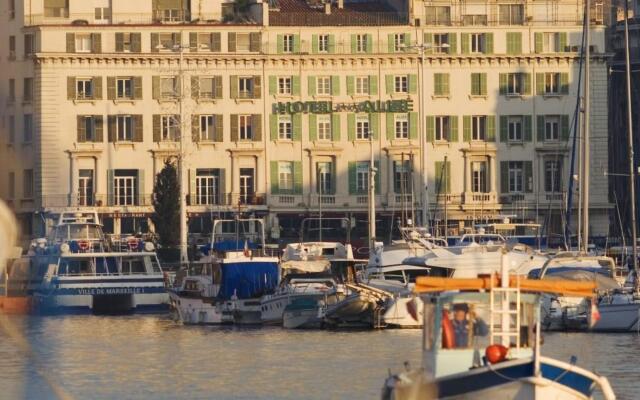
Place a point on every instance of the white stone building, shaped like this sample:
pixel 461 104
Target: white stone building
pixel 473 101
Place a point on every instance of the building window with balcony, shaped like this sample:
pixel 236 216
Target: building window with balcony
pixel 477 43
pixel 89 128
pixel 244 127
pixel 56 8
pixel 550 42
pixel 207 128
pixel 361 43
pixel 287 43
pixel 479 177
pixel 478 128
pixel 169 128
pixel 284 85
pixel 401 84
pixel 437 15
pixel 125 187
pixel 166 41
pixel 516 177
pixel 285 127
pixel 85 187
pixel 27 128
pixel 206 88
pixel 245 87
pixel 401 176
pixel 514 84
pixel 323 43
pixel 553 176
pixel 442 128
pixel 84 88
pixel 324 171
pixel 168 87
pixel 401 125
pixel 207 186
pixel 128 42
pixel 511 14
pixel 27 184
pixel 399 40
pixel 124 128
pixel 362 177
pixel 83 42
pixel 285 175
pixel 440 44
pixel 551 83
pixel 27 90
pixel 362 85
pixel 514 124
pixel 124 88
pixel 551 128
pixel 324 127
pixel 323 85
pixel 362 127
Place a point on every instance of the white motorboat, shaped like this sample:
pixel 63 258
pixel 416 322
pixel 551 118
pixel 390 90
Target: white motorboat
pixel 491 347
pixel 77 271
pixel 226 285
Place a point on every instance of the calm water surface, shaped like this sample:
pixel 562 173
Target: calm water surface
pixel 153 357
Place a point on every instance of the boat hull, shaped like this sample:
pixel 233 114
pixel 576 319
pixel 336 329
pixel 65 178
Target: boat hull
pixel 396 314
pixel 196 310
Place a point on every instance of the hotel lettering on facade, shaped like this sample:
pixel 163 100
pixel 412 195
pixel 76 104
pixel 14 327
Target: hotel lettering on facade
pixel 472 101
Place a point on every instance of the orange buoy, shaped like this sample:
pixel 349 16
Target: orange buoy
pixel 496 353
pixel 448 337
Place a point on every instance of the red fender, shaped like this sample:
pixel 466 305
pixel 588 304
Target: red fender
pixel 448 337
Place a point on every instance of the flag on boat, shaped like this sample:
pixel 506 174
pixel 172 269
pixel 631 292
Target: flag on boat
pixel 594 314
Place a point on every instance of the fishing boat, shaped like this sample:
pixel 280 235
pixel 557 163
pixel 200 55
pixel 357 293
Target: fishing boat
pixel 225 286
pixel 77 270
pixel 481 339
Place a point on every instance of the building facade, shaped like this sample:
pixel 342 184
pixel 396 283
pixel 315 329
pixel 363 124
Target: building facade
pixel 469 107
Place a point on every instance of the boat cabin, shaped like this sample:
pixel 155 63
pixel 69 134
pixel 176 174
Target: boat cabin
pixel 460 326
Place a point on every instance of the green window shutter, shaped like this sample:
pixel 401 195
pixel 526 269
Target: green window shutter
pixel 514 43
pixel 256 91
pixel 216 44
pixel 562 41
pixel 71 43
pixel 564 127
pixel 373 85
pixel 453 45
pixel 483 84
pixel 110 191
pixel 275 187
pixel 297 177
pixel 71 87
pixel 335 127
pixel 445 84
pixel 350 86
pixel 413 83
pixel 437 84
pixel 335 85
pixel 119 42
pixel 273 85
pixel 195 128
pixel 510 46
pixel 233 86
pixel 99 128
pixel 255 42
pixel 82 133
pixel 391 132
pixel 376 179
pixel 464 43
pixel 504 128
pixel 374 123
pixel 475 84
pixel 466 128
pixel 354 44
pixel 389 84
pixel 155 41
pixel 136 42
pixel 295 85
pixel 564 83
pixel 453 127
pixel 407 39
pixel 137 87
pixel 503 78
pixel 311 85
pixel 296 121
pixel 314 44
pixel 231 42
pixel 504 177
pixel 540 128
pixel 491 128
pixel 218 135
pixel 428 41
pixel 351 127
pixel 111 128
pixel 369 43
pixel 413 125
pixel 538 42
pixel 280 44
pixel 353 187
pixel 447 177
pixel 527 128
pixel 256 126
pixel 518 42
pixel 217 80
pixel 439 177
pixel 233 127
pixel 296 44
pixel 539 83
pixel 273 126
pixel 193 41
pixel 526 83
pixel 111 87
pixel 156 128
pixel 528 176
pixel 488 43
pixel 313 127
pixel 332 44
pixel 390 43
pixel 430 128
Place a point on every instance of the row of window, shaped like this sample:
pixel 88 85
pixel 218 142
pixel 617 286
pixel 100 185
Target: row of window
pixel 432 43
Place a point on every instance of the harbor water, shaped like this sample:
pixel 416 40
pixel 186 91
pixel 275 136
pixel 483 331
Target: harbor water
pixel 139 357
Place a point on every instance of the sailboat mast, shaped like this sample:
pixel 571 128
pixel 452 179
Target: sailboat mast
pixel 584 184
pixel 372 197
pixel 632 173
pixel 182 169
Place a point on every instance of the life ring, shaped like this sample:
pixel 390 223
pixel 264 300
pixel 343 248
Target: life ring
pixel 132 244
pixel 83 244
pixel 448 337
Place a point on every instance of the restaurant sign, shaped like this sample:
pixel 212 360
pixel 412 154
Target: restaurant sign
pixel 327 107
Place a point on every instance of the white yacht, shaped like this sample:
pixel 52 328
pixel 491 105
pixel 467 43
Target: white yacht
pixel 77 270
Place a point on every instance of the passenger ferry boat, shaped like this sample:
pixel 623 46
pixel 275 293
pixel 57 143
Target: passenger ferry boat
pixel 76 269
pixel 481 340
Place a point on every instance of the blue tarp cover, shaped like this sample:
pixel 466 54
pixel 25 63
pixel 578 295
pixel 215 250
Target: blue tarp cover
pixel 248 279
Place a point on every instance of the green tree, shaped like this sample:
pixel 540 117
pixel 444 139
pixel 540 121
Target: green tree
pixel 166 205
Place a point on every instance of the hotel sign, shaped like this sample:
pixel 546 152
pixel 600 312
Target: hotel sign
pixel 327 107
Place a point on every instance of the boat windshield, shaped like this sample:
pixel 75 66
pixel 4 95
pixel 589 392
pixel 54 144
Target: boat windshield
pixel 133 266
pixel 76 267
pixel 77 232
